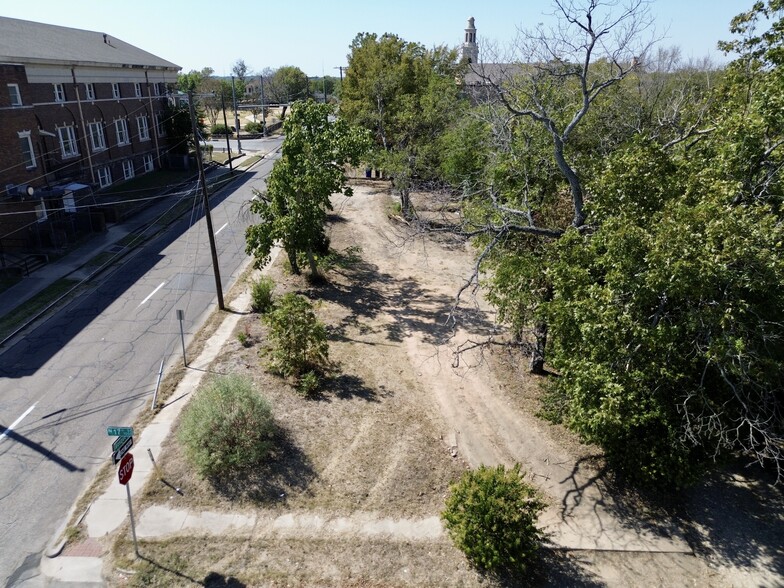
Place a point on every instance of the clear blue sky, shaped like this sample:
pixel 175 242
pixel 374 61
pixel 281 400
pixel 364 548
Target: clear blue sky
pixel 315 34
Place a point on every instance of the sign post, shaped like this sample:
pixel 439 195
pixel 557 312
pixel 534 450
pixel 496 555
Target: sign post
pixel 181 317
pixel 124 474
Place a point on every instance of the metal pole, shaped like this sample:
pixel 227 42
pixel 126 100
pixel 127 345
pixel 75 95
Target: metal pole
pixel 236 115
pixel 181 317
pixel 133 525
pixel 207 215
pixel 226 124
pixel 158 385
pixel 263 116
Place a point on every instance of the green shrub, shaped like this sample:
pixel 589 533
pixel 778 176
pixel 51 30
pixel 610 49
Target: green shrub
pixel 299 339
pixel 227 427
pixel 254 127
pixel 220 130
pixel 309 384
pixel 261 294
pixel 491 516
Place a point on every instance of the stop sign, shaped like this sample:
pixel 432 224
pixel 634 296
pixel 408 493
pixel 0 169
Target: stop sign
pixel 126 468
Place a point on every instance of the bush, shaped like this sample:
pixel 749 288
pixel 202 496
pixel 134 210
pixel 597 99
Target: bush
pixel 254 127
pixel 309 384
pixel 228 427
pixel 220 130
pixel 299 338
pixel 261 294
pixel 491 516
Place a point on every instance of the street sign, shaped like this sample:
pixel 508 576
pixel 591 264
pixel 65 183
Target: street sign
pixel 126 469
pixel 118 454
pixel 119 442
pixel 119 431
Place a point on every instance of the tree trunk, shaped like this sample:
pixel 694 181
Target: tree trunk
pixel 293 261
pixel 574 182
pixel 405 204
pixel 312 262
pixel 537 354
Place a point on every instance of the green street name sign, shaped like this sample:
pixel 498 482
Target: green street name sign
pixel 119 431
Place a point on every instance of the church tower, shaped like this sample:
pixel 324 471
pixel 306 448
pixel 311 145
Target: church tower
pixel 470 49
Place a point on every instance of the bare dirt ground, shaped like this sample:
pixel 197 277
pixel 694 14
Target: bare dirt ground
pixel 361 473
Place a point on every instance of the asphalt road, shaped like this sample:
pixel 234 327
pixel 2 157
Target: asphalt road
pixel 95 364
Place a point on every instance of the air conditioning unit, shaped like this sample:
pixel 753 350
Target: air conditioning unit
pixel 11 189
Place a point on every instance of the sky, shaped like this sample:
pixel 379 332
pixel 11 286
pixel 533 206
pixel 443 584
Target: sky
pixel 315 35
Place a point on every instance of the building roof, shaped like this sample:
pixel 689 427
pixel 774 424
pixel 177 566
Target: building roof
pixel 24 41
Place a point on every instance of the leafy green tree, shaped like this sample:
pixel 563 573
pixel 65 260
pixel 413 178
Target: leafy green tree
pixel 285 84
pixel 491 515
pixel 293 209
pixel 406 96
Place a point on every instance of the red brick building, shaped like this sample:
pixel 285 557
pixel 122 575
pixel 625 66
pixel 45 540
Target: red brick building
pixel 79 111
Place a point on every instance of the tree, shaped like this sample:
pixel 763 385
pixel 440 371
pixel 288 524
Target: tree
pixel 294 207
pixel 285 84
pixel 406 96
pixel 240 70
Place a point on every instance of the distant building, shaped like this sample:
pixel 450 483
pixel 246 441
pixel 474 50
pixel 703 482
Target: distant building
pixel 79 111
pixel 480 77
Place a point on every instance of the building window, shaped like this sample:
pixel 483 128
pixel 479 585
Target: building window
pixel 89 91
pixel 122 131
pixel 104 176
pixel 156 89
pixel 13 92
pixel 59 93
pixel 68 145
pixel 147 159
pixel 115 90
pixel 144 128
pixel 137 89
pixel 159 124
pixel 97 138
pixel 127 169
pixel 40 211
pixel 26 143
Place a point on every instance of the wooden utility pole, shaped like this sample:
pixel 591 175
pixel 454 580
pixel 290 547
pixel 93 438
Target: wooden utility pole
pixel 207 215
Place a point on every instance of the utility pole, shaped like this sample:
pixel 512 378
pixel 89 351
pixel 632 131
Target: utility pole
pixel 263 116
pixel 340 67
pixel 207 215
pixel 236 116
pixel 226 124
pixel 324 79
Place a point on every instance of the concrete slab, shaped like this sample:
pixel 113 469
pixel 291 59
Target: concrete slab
pixel 158 521
pixel 80 571
pixel 217 523
pixel 105 515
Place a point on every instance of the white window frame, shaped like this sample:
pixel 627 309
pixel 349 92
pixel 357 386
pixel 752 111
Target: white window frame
pixel 115 90
pixel 30 161
pixel 160 127
pixel 15 95
pixel 68 145
pixel 144 127
pixel 128 171
pixel 40 211
pixel 89 91
pixel 97 136
pixel 137 89
pixel 156 89
pixel 121 127
pixel 148 163
pixel 104 176
pixel 59 93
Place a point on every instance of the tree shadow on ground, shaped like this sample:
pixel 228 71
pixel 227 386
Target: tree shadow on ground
pixel 368 293
pixel 345 386
pixel 216 580
pixel 735 515
pixel 739 514
pixel 550 568
pixel 287 470
pixel 634 509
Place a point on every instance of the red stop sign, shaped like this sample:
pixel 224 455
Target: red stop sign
pixel 126 468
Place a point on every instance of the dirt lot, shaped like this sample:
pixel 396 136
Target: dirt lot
pixel 393 429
